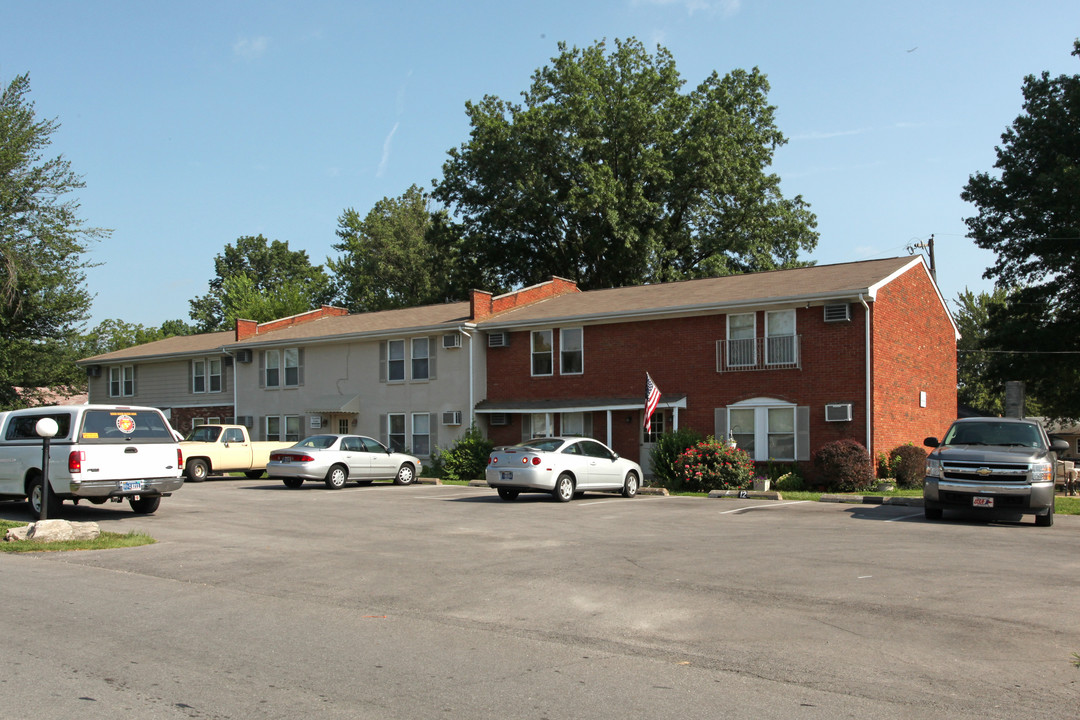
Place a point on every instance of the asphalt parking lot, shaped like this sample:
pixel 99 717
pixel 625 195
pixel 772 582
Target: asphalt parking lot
pixel 444 601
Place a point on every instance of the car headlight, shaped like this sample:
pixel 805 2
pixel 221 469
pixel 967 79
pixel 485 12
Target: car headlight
pixel 933 468
pixel 1042 472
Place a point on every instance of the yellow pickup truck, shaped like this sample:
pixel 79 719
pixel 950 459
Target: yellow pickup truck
pixel 218 449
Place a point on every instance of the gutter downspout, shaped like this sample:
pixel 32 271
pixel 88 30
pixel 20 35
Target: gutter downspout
pixel 869 436
pixel 472 402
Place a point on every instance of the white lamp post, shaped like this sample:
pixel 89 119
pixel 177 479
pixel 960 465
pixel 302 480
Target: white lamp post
pixel 46 428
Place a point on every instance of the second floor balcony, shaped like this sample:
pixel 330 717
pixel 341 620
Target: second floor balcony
pixel 780 352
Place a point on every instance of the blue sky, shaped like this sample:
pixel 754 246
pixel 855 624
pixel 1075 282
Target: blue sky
pixel 195 123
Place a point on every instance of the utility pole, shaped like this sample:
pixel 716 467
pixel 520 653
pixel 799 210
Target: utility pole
pixel 929 247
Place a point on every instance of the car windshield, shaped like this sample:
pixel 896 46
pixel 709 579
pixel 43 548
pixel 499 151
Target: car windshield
pixel 317 442
pixel 994 433
pixel 543 444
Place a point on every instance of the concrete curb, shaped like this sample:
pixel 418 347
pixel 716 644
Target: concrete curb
pixel 873 500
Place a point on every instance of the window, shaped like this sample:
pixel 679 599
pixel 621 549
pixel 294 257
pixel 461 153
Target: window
pixel 768 429
pixel 781 431
pixel 273 426
pixel 196 422
pixel 540 425
pixel 741 427
pixel 292 428
pixel 541 352
pixel 395 364
pixel 121 381
pixel 780 337
pixel 342 426
pixel 273 371
pixel 571 351
pixel 396 431
pixel 233 435
pixel 741 333
pixel 656 427
pixel 206 375
pixel 572 424
pixel 421 434
pixel 292 367
pixel 198 376
pixel 420 365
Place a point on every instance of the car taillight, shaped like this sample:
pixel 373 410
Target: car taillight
pixel 179 458
pixel 492 460
pixel 75 460
pixel 536 461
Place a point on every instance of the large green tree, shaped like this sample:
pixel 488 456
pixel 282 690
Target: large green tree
pixel 259 280
pixel 401 254
pixel 1029 215
pixel 43 239
pixel 977 385
pixel 114 334
pixel 609 174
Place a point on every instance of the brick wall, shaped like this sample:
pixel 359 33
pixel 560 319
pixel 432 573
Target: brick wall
pixel 181 417
pixel 914 351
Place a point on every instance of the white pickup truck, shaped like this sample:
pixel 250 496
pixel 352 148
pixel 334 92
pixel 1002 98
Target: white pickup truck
pixel 217 449
pixel 100 453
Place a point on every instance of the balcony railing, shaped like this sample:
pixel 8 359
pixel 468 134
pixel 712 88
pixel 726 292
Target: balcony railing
pixel 780 352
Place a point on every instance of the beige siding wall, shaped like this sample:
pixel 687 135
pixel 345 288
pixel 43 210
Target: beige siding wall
pixel 164 384
pixel 336 373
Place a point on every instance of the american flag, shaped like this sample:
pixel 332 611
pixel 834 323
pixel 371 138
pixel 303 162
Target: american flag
pixel 652 398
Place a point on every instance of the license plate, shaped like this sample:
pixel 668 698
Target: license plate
pixel 131 486
pixel 506 475
pixel 983 502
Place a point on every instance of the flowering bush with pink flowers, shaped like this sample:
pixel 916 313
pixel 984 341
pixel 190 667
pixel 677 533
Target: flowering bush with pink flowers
pixel 711 465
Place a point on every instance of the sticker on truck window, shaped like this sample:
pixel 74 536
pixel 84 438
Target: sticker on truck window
pixel 125 424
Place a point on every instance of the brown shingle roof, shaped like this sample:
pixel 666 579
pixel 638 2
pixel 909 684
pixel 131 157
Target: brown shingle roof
pixel 822 282
pixel 434 317
pixel 178 345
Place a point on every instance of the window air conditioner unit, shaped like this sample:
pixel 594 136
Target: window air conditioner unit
pixel 245 420
pixel 499 339
pixel 451 340
pixel 243 356
pixel 838 412
pixel 451 417
pixel 838 313
pixel 93 371
pixel 227 361
pixel 498 419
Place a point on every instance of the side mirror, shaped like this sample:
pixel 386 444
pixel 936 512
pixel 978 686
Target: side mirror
pixel 1060 446
pixel 931 442
pixel 614 457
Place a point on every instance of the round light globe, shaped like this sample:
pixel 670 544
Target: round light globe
pixel 46 427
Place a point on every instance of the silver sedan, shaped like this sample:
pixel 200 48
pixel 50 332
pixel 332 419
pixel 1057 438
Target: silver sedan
pixel 562 466
pixel 336 459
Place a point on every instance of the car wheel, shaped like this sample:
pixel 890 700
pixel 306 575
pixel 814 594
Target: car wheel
pixel 932 513
pixel 630 486
pixel 564 488
pixel 336 478
pixel 144 504
pixel 1045 520
pixel 508 494
pixel 253 474
pixel 33 494
pixel 197 470
pixel 405 475
pixel 292 482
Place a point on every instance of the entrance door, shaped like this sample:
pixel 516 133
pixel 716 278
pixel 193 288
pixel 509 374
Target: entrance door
pixel 648 439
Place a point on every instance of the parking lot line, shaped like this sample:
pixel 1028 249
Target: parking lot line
pixel 758 507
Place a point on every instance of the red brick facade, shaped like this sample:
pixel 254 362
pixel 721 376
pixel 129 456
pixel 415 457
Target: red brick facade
pixel 913 351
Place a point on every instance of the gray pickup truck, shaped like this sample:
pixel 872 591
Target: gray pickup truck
pixel 992 465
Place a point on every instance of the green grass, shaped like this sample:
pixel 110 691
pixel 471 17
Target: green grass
pixel 104 541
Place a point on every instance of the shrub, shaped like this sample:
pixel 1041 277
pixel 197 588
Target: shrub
pixel 909 465
pixel 712 465
pixel 789 482
pixel 886 465
pixel 468 458
pixel 665 453
pixel 843 466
